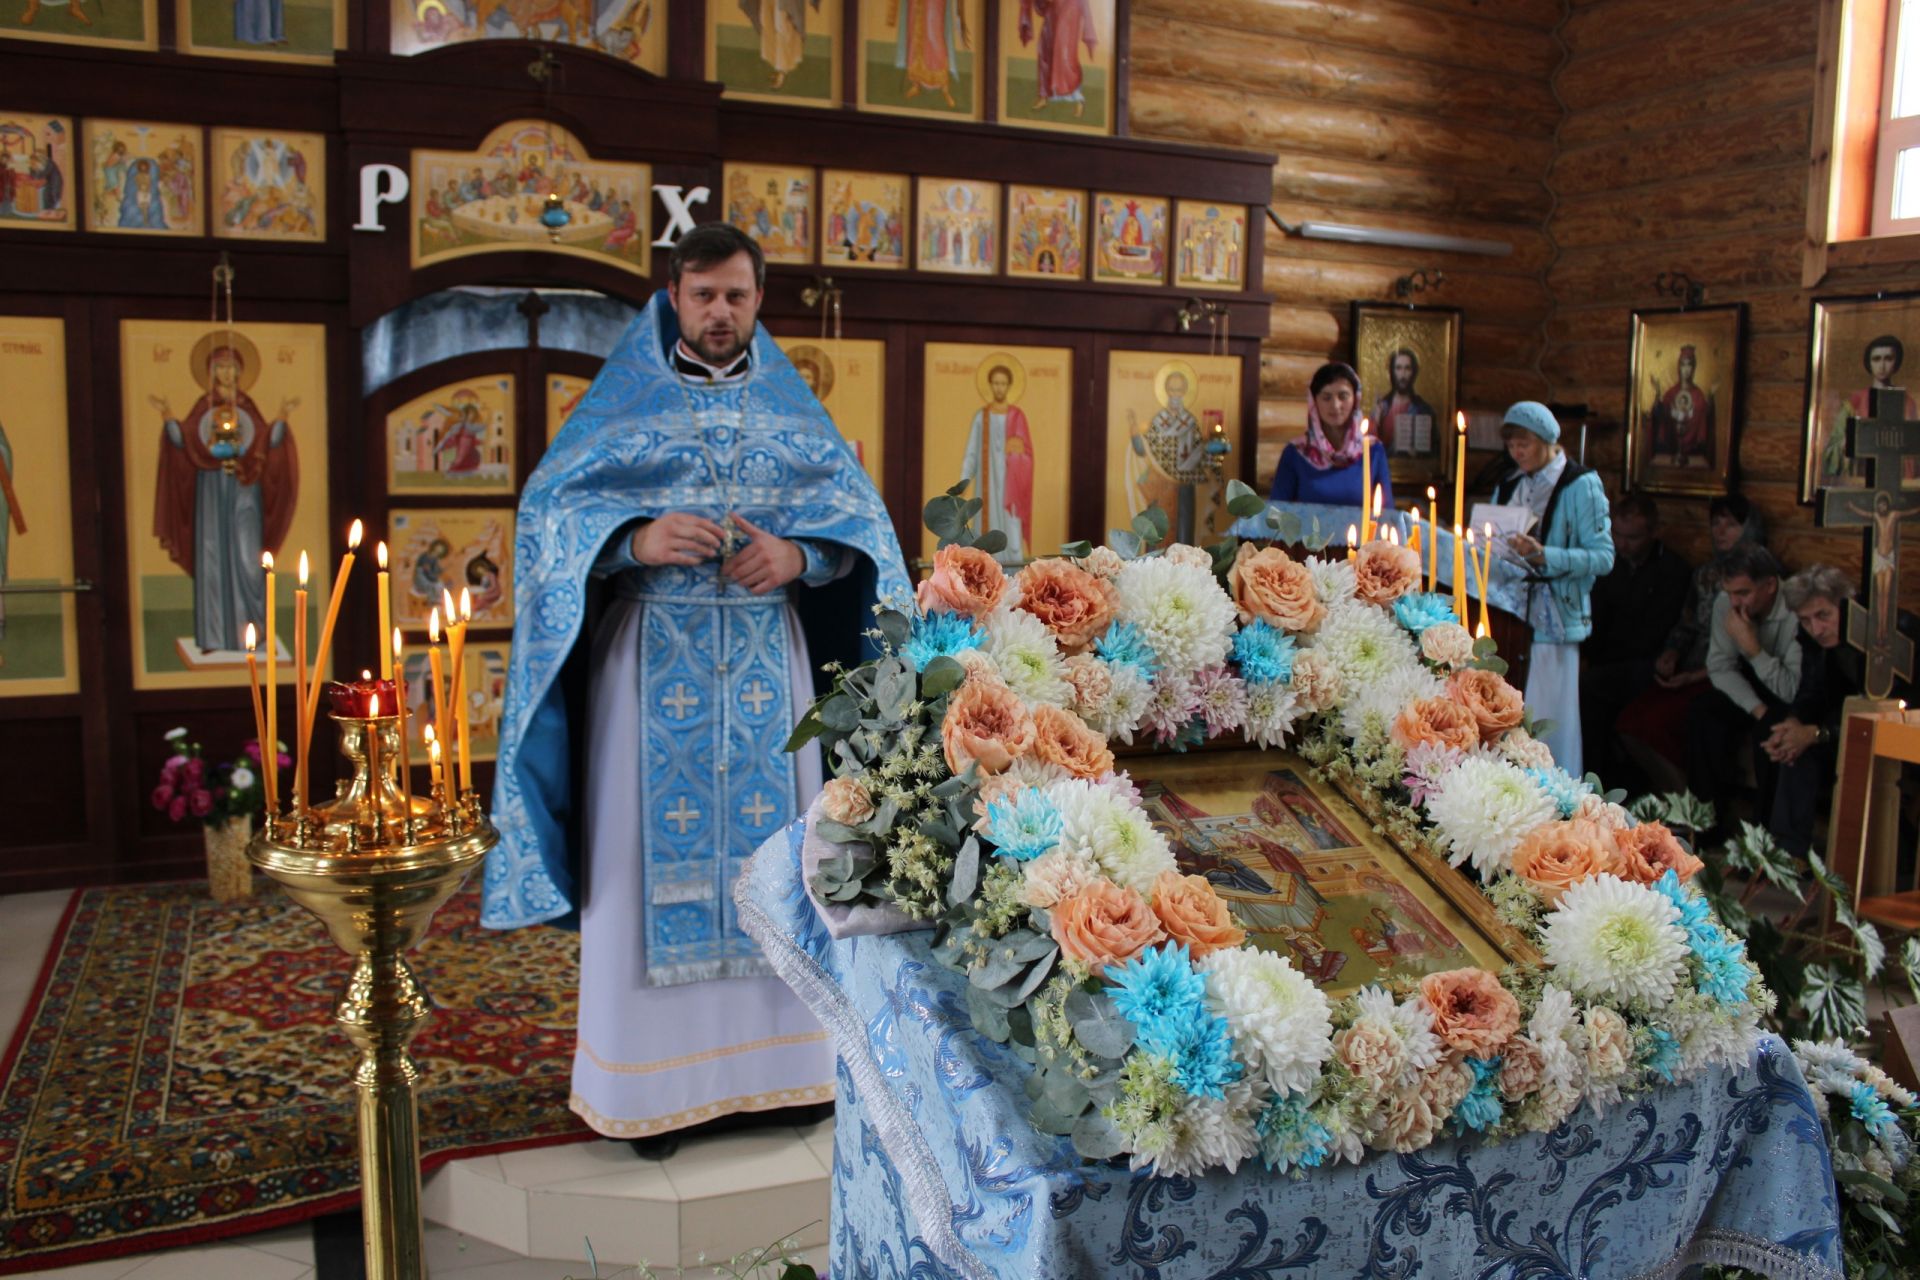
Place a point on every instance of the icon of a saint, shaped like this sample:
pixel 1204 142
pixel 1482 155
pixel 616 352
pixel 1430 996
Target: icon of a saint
pixel 1683 416
pixel 225 489
pixel 998 460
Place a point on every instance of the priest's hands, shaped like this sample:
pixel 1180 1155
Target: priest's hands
pixel 678 538
pixel 767 562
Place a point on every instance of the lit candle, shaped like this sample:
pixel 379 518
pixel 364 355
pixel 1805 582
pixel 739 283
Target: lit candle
pixel 1379 505
pixel 386 622
pixel 259 714
pixel 1460 516
pixel 462 722
pixel 436 671
pixel 1486 572
pixel 1433 540
pixel 1459 575
pixel 300 690
pixel 1366 481
pixel 1353 538
pixel 270 749
pixel 1479 578
pixel 376 768
pixel 398 660
pixel 436 768
pixel 326 631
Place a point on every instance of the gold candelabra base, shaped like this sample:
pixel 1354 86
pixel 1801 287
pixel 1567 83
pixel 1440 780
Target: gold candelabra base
pixel 374 865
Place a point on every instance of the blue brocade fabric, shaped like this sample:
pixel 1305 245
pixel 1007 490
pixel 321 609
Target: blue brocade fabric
pixel 937 1175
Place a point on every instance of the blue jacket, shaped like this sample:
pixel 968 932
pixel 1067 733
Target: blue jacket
pixel 1578 544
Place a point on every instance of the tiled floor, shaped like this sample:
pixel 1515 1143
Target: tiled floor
pixel 526 1215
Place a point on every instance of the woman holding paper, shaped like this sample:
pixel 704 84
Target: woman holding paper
pixel 1570 545
pixel 1319 466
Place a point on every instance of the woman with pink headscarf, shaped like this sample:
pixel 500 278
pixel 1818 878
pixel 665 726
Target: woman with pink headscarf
pixel 1321 465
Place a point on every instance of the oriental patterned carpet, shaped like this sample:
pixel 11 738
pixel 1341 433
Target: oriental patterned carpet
pixel 177 1076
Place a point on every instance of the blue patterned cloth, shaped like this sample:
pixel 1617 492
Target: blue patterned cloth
pixel 644 442
pixel 937 1174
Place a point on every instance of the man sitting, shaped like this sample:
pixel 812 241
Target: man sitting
pixel 1635 607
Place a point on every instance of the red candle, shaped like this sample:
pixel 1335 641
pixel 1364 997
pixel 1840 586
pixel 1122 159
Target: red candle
pixel 355 699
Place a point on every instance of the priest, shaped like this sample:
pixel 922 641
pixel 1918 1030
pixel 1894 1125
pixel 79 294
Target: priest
pixel 695 543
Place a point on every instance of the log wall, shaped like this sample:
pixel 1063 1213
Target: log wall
pixel 1421 115
pixel 1685 148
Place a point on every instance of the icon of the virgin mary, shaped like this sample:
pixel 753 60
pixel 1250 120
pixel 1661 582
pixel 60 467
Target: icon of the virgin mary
pixel 226 487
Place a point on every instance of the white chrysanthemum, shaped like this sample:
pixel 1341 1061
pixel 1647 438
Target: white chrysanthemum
pixel 1387 696
pixel 1412 1022
pixel 1828 1057
pixel 1057 874
pixel 1556 1030
pixel 1272 711
pixel 1349 1141
pixel 1181 610
pixel 1711 1033
pixel 1281 1022
pixel 1113 831
pixel 1206 1134
pixel 1483 808
pixel 1121 711
pixel 1332 578
pixel 1615 941
pixel 1027 657
pixel 1030 772
pixel 1365 644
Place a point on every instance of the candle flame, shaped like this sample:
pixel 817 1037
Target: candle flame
pixel 250 639
pixel 266 561
pixel 426 732
pixel 397 647
pixel 1431 495
pixel 365 674
pixel 1481 632
pixel 1353 534
pixel 374 713
pixel 446 606
pixel 353 537
pixel 1460 421
pixel 1378 500
pixel 433 626
pixel 466 605
pixel 380 554
pixel 1489 531
pixel 433 748
pixel 1393 535
pixel 1469 537
pixel 303 569
pixel 1365 426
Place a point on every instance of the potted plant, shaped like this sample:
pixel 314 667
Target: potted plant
pixel 224 796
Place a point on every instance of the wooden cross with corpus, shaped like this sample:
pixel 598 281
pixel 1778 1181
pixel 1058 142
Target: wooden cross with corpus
pixel 1878 509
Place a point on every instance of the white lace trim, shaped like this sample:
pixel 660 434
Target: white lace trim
pixel 1721 1248
pixel 927 1195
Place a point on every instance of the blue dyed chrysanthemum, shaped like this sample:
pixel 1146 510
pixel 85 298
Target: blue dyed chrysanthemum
pixel 1482 1108
pixel 1561 787
pixel 1204 1064
pixel 1424 609
pixel 1723 974
pixel 1126 645
pixel 940 635
pixel 1662 1053
pixel 1870 1109
pixel 1025 825
pixel 1290 1138
pixel 1695 915
pixel 1157 988
pixel 1263 652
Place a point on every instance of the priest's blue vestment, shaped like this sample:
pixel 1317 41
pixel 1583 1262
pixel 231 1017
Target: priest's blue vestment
pixel 641 758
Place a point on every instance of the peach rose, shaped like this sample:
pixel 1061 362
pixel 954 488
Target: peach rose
pixel 1188 554
pixel 1076 606
pixel 1447 644
pixel 1063 738
pixel 845 800
pixel 1555 856
pixel 964 580
pixel 1104 924
pixel 1527 751
pixel 1102 562
pixel 1650 849
pixel 1410 1123
pixel 1446 1083
pixel 1523 1068
pixel 1271 585
pixel 1385 571
pixel 1439 721
pixel 1496 704
pixel 1089 678
pixel 1316 682
pixel 1372 1051
pixel 1609 1043
pixel 1472 1012
pixel 980 668
pixel 1191 912
pixel 986 724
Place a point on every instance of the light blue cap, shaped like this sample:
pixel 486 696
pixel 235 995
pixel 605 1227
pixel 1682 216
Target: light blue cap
pixel 1531 415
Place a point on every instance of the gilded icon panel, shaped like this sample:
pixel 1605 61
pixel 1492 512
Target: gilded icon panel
pixel 773 204
pixel 1173 423
pixel 144 178
pixel 1408 359
pixel 1056 64
pixel 1210 245
pixel 849 376
pixel 922 57
pixel 564 393
pixel 37 177
pixel 634 31
pixel 39 650
pixel 226 457
pixel 1859 345
pixel 133 25
pixel 495 200
pixel 1130 239
pixel 269 185
pixel 447 549
pixel 1682 401
pixel 1000 418
pixel 273 30
pixel 485 678
pixel 959 226
pixel 458 438
pixel 863 219
pixel 1046 233
pixel 776 50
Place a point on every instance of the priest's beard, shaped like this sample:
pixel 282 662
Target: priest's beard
pixel 719 347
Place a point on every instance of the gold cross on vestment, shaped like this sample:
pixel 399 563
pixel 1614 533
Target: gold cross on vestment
pixel 1883 442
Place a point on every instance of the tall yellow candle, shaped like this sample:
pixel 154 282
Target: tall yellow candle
pixel 436 767
pixel 1486 571
pixel 1433 540
pixel 386 619
pixel 462 723
pixel 1460 516
pixel 300 690
pixel 1366 481
pixel 326 631
pixel 270 749
pixel 1479 578
pixel 397 659
pixel 1353 541
pixel 259 714
pixel 436 671
pixel 1459 575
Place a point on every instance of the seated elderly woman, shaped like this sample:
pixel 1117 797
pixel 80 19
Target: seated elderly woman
pixel 1801 745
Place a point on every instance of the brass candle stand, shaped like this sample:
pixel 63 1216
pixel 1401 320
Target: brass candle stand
pixel 374 864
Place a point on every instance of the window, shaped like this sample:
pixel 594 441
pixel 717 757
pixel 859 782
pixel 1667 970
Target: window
pixel 1896 169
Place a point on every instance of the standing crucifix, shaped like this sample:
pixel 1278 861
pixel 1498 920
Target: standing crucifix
pixel 1878 509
